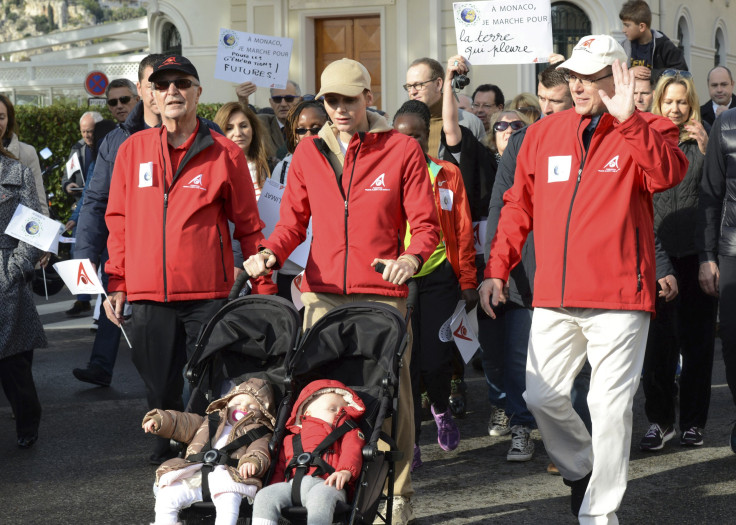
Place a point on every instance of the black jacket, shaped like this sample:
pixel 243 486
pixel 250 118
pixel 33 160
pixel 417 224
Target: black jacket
pixel 675 210
pixel 665 55
pixel 478 167
pixel 716 220
pixel 706 110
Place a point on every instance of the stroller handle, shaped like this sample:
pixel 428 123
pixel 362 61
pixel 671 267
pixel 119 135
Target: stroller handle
pixel 239 284
pixel 411 301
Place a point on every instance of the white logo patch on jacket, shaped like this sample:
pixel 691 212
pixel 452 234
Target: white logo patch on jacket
pixel 379 184
pixel 558 168
pixel 196 183
pixel 611 166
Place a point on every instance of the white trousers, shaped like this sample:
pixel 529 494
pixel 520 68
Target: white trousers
pixel 614 342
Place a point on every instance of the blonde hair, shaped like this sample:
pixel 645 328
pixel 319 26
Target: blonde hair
pixel 528 105
pixel 258 150
pixel 690 93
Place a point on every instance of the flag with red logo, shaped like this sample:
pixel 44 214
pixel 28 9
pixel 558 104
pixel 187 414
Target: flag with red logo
pixel 79 276
pixel 462 327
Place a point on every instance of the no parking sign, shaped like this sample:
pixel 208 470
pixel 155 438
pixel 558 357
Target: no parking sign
pixel 96 83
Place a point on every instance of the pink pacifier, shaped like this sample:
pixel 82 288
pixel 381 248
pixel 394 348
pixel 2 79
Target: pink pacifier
pixel 238 415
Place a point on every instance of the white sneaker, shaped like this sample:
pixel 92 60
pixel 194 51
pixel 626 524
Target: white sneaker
pixel 402 512
pixel 522 446
pixel 498 425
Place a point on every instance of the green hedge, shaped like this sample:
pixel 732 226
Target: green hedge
pixel 57 128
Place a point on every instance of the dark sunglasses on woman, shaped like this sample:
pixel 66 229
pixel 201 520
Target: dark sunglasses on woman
pixel 503 125
pixel 304 131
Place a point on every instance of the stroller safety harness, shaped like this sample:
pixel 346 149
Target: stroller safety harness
pixel 212 457
pixel 303 461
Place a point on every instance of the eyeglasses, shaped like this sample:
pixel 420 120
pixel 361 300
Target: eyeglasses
pixel 112 102
pixel 676 73
pixel 570 79
pixel 180 83
pixel 304 131
pixel 527 110
pixel 288 98
pixel 419 86
pixel 487 107
pixel 503 125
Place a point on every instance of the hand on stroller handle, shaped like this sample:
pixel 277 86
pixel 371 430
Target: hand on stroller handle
pixel 260 263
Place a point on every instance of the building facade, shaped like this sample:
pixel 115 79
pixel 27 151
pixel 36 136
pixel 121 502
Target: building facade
pixel 386 35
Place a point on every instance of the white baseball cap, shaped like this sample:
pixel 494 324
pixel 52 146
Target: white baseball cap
pixel 593 53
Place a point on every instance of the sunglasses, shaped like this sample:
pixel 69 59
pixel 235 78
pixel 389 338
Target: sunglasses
pixel 180 83
pixel 503 125
pixel 676 73
pixel 288 98
pixel 311 131
pixel 112 102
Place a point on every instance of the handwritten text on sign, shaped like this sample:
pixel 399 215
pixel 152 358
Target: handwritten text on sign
pixel 504 31
pixel 247 57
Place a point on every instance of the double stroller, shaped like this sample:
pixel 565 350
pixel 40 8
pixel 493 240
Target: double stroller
pixel 359 344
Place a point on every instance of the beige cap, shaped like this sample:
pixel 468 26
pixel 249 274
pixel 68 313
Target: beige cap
pixel 593 53
pixel 344 77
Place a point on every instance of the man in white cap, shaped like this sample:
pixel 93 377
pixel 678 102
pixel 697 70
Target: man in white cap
pixel 584 181
pixel 363 184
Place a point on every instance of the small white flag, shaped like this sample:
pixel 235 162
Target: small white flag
pixel 72 165
pixel 79 276
pixel 463 329
pixel 35 229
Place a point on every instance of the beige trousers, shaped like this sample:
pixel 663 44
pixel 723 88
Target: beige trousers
pixel 318 304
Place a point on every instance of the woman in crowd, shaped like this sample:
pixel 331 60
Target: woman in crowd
pixel 503 124
pixel 20 326
pixel 438 284
pixel 243 127
pixel 528 105
pixel 687 324
pixel 305 119
pixel 20 150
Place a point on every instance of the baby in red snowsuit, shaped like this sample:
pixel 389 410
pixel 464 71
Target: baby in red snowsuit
pixel 322 406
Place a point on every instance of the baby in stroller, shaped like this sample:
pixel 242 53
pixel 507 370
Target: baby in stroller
pixel 230 445
pixel 322 456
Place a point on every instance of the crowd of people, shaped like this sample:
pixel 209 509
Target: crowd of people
pixel 593 222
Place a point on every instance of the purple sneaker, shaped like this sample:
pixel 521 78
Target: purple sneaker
pixel 448 436
pixel 416 462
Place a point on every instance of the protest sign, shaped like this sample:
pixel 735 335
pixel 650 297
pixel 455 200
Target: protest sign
pixel 248 57
pixel 462 327
pixel 504 31
pixel 35 229
pixel 268 208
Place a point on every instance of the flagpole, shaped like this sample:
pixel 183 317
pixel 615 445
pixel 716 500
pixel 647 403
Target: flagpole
pixel 45 289
pixel 121 324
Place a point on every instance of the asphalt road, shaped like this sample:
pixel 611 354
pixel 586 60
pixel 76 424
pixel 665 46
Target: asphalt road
pixel 90 463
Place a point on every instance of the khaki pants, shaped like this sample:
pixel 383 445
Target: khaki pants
pixel 318 304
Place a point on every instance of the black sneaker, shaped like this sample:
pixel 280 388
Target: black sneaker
pixel 692 437
pixel 93 374
pixel 656 437
pixel 577 492
pixel 79 308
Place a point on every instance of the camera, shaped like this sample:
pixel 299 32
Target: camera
pixel 460 81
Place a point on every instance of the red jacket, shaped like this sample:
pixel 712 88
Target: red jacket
pixel 175 245
pixel 384 184
pixel 456 223
pixel 344 454
pixel 593 222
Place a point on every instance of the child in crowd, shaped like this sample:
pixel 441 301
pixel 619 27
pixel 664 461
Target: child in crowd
pixel 246 407
pixel 322 407
pixel 650 52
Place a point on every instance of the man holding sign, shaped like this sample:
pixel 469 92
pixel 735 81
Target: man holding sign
pixel 591 172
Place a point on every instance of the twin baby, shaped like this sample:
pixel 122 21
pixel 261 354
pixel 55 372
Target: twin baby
pixel 322 406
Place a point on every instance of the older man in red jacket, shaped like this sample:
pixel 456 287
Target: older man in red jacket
pixel 584 182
